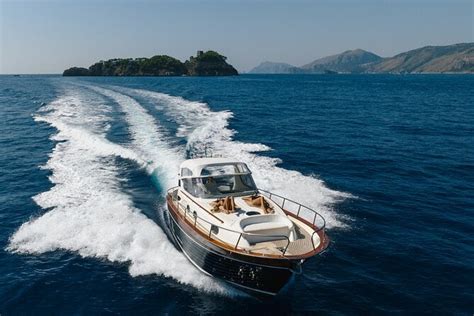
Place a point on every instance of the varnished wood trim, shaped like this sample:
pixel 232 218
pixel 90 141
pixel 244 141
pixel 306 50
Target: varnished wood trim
pixel 230 248
pixel 275 264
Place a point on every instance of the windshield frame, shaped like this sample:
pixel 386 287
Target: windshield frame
pixel 192 189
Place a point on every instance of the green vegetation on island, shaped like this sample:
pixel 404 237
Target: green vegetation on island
pixel 76 71
pixel 208 63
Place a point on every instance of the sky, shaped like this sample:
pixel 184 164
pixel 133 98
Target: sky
pixel 51 35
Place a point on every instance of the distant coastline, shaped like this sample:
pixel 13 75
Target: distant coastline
pixel 450 59
pixel 208 63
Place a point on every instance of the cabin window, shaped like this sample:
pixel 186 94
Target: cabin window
pixel 247 182
pixel 242 168
pixel 224 169
pixel 185 172
pixel 189 186
pixel 218 186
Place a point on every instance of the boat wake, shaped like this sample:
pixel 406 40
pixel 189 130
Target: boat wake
pixel 207 131
pixel 88 212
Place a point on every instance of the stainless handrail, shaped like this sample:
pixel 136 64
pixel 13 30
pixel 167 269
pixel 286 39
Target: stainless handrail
pixel 316 214
pixel 212 225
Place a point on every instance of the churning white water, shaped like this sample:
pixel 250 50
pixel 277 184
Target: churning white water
pixel 89 212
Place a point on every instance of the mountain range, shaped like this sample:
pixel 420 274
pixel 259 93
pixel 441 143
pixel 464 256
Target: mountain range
pixel 456 58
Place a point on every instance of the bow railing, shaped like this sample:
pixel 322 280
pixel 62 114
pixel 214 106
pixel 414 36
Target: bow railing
pixel 299 211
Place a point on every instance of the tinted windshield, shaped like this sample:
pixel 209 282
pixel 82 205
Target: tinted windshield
pixel 220 170
pixel 218 186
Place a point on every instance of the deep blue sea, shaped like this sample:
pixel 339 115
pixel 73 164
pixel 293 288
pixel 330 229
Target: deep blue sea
pixel 85 162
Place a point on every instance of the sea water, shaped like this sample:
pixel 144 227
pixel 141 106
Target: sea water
pixel 85 164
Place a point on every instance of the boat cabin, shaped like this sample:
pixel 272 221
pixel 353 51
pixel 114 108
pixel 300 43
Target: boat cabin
pixel 210 179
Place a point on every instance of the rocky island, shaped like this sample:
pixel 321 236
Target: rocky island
pixel 208 63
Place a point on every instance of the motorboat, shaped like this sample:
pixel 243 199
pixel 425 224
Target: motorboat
pixel 231 230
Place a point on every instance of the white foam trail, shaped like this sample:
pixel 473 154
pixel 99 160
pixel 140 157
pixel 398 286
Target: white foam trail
pixel 205 129
pixel 90 214
pixel 149 140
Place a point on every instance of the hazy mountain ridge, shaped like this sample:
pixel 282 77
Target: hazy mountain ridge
pixel 456 58
pixel 268 67
pixel 348 61
pixel 450 58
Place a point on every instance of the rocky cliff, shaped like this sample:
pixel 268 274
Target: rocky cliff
pixel 209 63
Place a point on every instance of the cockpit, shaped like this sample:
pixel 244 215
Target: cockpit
pixel 219 180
